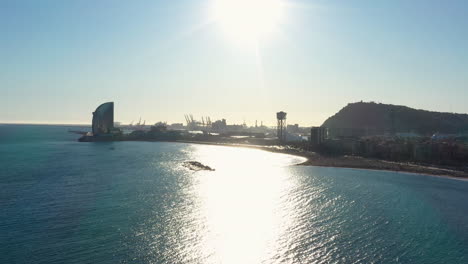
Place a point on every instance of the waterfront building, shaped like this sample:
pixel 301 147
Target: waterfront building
pixel 317 136
pixel 103 119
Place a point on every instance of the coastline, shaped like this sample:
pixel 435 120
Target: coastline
pixel 351 162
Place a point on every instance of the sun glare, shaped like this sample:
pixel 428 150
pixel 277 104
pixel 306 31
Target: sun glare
pixel 248 21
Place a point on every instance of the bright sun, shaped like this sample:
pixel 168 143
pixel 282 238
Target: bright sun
pixel 248 21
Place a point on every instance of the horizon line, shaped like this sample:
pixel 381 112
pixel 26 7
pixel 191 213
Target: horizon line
pixel 45 124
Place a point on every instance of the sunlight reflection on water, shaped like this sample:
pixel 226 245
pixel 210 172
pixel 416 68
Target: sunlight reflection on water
pixel 256 208
pixel 240 202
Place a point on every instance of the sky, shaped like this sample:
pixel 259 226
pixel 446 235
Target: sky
pixel 159 60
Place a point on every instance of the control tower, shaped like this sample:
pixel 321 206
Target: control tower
pixel 281 127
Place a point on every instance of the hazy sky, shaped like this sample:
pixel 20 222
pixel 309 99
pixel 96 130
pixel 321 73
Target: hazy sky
pixel 161 59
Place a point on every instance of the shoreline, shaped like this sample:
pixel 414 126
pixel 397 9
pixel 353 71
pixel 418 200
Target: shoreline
pixel 351 162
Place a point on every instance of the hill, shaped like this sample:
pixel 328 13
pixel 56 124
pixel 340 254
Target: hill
pixel 396 118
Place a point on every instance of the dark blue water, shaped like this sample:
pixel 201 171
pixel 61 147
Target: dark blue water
pixel 133 202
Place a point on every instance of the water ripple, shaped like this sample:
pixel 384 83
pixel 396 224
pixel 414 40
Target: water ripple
pixel 136 204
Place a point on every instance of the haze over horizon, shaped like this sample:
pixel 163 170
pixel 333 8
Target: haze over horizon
pixel 159 60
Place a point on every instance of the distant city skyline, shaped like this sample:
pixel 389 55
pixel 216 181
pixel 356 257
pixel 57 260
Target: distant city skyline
pixel 159 60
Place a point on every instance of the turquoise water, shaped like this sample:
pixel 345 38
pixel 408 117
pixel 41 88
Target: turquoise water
pixel 133 202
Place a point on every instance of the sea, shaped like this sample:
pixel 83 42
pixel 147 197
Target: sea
pixel 63 201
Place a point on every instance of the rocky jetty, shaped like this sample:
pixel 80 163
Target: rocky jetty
pixel 196 166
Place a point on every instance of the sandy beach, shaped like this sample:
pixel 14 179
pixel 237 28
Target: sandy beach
pixel 314 159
